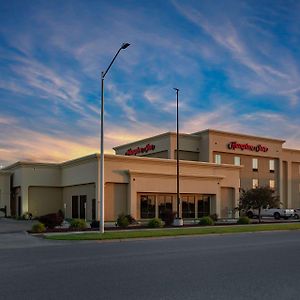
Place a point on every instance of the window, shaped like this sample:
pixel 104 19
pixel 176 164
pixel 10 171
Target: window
pixel 272 183
pixel 218 159
pixel 147 206
pixel 74 207
pixel 164 203
pixel 254 183
pixel 203 206
pixel 237 160
pixel 271 165
pixel 93 209
pixel 82 207
pixel 254 164
pixel 188 206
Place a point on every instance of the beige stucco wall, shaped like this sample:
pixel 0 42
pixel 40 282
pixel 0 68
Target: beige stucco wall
pixel 44 200
pixel 161 142
pixel 5 191
pixel 34 174
pixel 84 189
pixel 116 200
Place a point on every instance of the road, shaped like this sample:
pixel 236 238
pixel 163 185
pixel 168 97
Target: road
pixel 240 266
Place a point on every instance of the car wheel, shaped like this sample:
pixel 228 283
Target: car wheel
pixel 250 214
pixel 296 216
pixel 277 216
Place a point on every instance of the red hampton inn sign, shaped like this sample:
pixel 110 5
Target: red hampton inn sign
pixel 148 147
pixel 257 148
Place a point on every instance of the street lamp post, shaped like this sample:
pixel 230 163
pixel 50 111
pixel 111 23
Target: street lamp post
pixel 178 220
pixel 101 192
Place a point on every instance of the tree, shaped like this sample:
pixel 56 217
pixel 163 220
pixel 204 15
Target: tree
pixel 258 198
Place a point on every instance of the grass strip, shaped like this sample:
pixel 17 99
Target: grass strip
pixel 117 235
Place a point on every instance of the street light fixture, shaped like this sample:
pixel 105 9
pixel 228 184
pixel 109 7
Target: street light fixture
pixel 178 220
pixel 101 192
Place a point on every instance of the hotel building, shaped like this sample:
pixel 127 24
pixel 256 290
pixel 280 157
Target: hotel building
pixel 141 178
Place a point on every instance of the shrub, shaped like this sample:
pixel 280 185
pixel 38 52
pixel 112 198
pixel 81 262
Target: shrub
pixel 131 219
pixel 122 221
pixel 27 216
pixel 95 224
pixel 214 217
pixel 51 220
pixel 168 217
pixel 155 223
pixel 38 228
pixel 243 220
pixel 78 224
pixel 206 221
pixel 61 214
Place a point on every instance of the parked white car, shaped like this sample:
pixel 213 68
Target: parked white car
pixel 277 213
pixel 297 213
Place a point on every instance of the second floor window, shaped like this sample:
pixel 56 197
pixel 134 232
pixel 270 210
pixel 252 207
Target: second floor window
pixel 218 159
pixel 254 164
pixel 237 160
pixel 272 165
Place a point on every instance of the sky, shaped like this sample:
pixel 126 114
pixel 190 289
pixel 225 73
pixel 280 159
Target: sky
pixel 236 64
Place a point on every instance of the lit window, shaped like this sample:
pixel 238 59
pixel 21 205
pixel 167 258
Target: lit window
pixel 237 160
pixel 254 164
pixel 272 165
pixel 272 184
pixel 218 159
pixel 254 183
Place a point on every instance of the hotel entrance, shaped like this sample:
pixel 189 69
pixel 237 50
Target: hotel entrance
pixel 193 206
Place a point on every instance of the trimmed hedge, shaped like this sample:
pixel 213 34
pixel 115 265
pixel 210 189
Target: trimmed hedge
pixel 38 228
pixel 243 220
pixel 122 221
pixel 155 223
pixel 206 221
pixel 78 224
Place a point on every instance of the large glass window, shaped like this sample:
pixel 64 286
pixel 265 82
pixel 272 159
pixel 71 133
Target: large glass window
pixel 254 164
pixel 218 159
pixel 164 203
pixel 203 206
pixel 272 165
pixel 188 206
pixel 147 206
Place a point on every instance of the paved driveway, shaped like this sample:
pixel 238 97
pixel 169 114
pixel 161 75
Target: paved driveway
pixel 13 234
pixel 13 226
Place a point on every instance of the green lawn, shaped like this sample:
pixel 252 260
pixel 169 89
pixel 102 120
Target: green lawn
pixel 131 234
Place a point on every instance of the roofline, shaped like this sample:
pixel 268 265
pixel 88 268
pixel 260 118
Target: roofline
pixel 30 163
pixel 152 137
pixel 169 161
pixel 291 150
pixel 239 134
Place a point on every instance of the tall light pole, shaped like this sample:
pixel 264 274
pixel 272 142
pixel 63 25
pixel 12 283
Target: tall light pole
pixel 178 220
pixel 101 192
